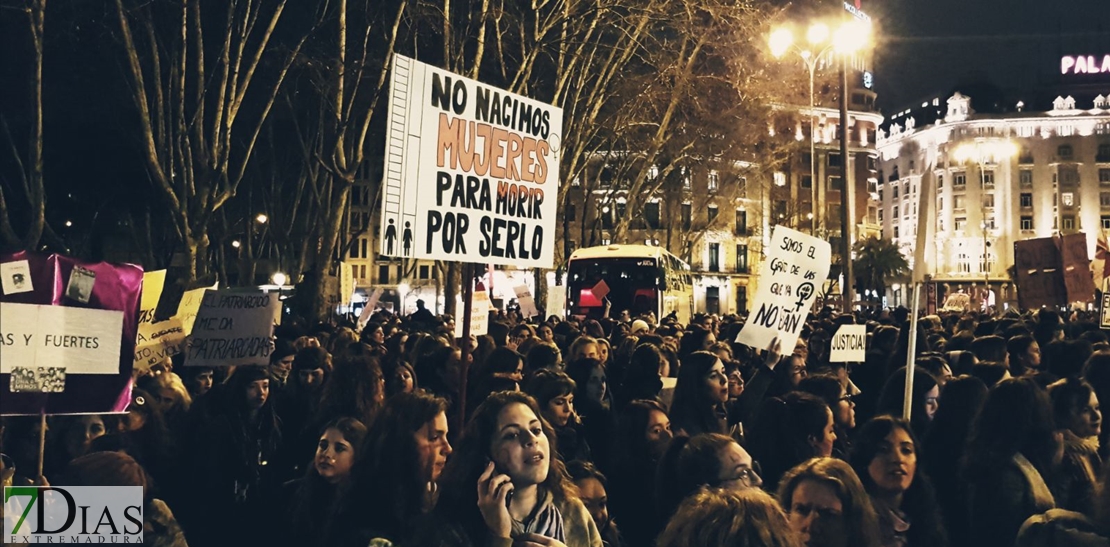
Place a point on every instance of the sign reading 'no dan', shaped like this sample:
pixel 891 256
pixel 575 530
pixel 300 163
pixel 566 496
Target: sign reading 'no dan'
pixel 796 266
pixel 471 171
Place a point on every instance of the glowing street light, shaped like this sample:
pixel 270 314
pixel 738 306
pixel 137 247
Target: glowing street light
pixel 235 244
pixel 261 218
pixel 279 279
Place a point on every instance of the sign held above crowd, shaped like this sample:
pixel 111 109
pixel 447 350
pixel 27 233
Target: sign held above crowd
pixel 795 267
pixel 471 171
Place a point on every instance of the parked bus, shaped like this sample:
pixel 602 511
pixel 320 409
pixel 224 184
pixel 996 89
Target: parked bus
pixel 640 278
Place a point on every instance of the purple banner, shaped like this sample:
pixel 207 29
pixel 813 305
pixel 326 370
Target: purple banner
pixel 108 287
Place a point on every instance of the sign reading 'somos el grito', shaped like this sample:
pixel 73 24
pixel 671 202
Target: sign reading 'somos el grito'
pixel 796 266
pixel 471 171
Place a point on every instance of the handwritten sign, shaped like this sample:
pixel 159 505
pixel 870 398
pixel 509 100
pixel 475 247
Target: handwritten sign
pixel 471 171
pixel 233 328
pixel 849 344
pixel 156 341
pixel 1078 283
pixel 189 306
pixel 1104 312
pixel 479 315
pixel 82 340
pixel 796 264
pixel 1040 281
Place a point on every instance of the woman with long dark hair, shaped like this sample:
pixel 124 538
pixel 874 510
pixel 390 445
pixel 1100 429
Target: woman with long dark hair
pixel 315 492
pixel 706 460
pixel 885 457
pixel 926 398
pixel 396 478
pixel 643 432
pixel 1076 409
pixel 959 404
pixel 829 389
pixel 232 484
pixel 504 484
pixel 554 392
pixel 790 430
pixel 700 395
pixel 1012 449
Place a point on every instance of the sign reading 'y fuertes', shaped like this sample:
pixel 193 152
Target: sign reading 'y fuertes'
pixel 471 171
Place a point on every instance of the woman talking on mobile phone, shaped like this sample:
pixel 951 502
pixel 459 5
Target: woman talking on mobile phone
pixel 504 486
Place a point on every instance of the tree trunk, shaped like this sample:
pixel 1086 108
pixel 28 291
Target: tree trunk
pixel 322 266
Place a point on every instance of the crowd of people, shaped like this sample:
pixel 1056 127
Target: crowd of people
pixel 587 433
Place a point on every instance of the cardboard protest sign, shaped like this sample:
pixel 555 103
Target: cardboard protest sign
pixel 1040 281
pixel 189 306
pixel 346 283
pixel 233 328
pixel 601 290
pixel 93 381
pixel 479 315
pixel 153 283
pixel 156 341
pixel 1104 312
pixel 471 171
pixel 849 344
pixel 1078 284
pixel 82 340
pixel 795 263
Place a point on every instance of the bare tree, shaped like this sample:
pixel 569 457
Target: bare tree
pixel 30 199
pixel 191 75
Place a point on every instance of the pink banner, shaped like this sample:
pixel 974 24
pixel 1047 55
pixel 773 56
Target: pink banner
pixel 98 285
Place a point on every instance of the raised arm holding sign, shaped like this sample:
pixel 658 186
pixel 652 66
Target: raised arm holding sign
pixel 796 264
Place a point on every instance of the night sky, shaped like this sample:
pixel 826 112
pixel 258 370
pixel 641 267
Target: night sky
pixel 928 47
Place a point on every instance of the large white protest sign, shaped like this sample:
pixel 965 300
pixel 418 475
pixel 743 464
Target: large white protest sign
pixel 471 171
pixel 479 315
pixel 233 328
pixel 796 265
pixel 81 340
pixel 849 344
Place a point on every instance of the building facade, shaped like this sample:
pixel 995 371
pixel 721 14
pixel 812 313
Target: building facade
pixel 957 188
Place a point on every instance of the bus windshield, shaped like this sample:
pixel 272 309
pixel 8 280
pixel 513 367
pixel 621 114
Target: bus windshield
pixel 633 285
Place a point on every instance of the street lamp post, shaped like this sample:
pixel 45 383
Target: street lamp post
pixel 849 38
pixel 782 40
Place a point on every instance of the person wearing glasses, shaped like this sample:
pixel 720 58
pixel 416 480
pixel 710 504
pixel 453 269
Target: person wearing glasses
pixel 829 389
pixel 706 460
pixel 827 505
